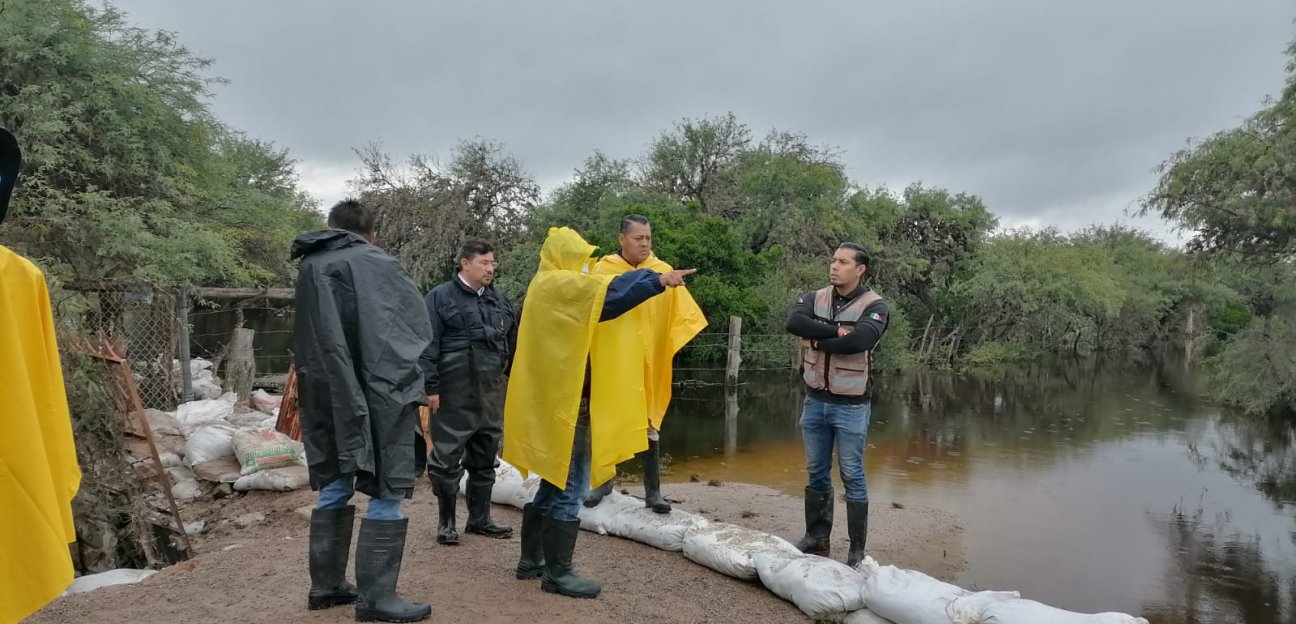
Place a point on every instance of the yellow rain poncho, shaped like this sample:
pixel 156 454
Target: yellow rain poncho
pixel 38 464
pixel 665 324
pixel 560 322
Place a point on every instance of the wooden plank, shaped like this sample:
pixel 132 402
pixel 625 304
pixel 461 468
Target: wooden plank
pixel 279 294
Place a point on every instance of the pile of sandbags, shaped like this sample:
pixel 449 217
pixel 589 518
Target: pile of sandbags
pixel 215 440
pixel 822 588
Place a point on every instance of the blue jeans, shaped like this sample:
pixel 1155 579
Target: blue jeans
pixel 565 503
pixel 338 493
pixel 822 424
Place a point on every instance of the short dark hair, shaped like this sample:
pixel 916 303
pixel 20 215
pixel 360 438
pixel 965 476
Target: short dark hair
pixel 633 218
pixel 472 248
pixel 352 216
pixel 861 254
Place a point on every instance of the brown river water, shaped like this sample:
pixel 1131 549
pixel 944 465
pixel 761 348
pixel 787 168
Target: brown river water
pixel 1091 486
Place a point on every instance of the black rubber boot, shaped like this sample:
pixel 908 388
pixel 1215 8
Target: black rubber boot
pixel 532 562
pixel 446 495
pixel 479 518
pixel 857 528
pixel 652 479
pixel 558 576
pixel 330 545
pixel 596 495
pixel 819 521
pixel 378 564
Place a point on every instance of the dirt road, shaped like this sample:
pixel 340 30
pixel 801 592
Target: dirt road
pixel 251 567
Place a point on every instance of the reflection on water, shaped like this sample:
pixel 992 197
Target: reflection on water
pixel 1092 487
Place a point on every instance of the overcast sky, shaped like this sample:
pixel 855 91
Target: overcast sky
pixel 1054 112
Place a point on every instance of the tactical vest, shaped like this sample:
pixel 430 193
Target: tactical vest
pixel 841 374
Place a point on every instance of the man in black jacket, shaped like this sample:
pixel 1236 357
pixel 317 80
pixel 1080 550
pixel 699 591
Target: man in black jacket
pixel 474 331
pixel 839 326
pixel 359 331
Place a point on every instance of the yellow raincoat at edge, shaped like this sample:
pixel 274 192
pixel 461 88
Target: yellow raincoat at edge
pixel 666 323
pixel 38 464
pixel 560 322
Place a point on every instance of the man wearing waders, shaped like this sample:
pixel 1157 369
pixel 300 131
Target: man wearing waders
pixel 838 327
pixel 474 330
pixel 357 338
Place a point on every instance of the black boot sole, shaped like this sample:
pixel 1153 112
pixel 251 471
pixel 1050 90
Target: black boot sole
pixel 528 575
pixel 553 589
pixel 663 508
pixel 385 618
pixel 447 541
pixel 485 533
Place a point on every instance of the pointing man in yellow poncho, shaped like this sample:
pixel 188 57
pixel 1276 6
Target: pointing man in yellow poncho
pixel 563 420
pixel 38 463
pixel 665 324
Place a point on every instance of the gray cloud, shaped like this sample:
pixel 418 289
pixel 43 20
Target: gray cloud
pixel 1055 113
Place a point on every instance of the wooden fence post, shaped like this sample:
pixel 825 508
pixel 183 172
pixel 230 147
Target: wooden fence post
pixel 735 351
pixel 241 365
pixel 182 317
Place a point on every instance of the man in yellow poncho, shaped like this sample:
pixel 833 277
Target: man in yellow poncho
pixel 666 324
pixel 564 421
pixel 38 463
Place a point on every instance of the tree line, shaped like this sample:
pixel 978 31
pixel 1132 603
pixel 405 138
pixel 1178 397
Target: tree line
pixel 131 176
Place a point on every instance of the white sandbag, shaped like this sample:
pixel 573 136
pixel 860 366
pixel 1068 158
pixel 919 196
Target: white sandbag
pixel 184 485
pixel 729 548
pixel 162 423
pixel 602 518
pixel 265 402
pixel 259 450
pixel 912 597
pixel 1030 612
pixel 207 410
pixel 664 531
pixel 205 386
pixel 199 365
pixel 208 443
pixel 819 586
pixel 511 488
pixel 120 576
pixel 864 616
pixel 223 470
pixel 274 480
pixel 169 459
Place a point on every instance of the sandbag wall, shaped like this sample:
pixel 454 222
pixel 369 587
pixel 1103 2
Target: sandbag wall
pixel 822 588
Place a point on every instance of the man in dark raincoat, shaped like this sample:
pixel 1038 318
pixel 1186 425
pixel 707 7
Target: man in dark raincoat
pixel 360 328
pixel 474 331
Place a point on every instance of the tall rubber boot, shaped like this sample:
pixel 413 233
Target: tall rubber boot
pixel 596 495
pixel 857 528
pixel 378 564
pixel 532 562
pixel 558 576
pixel 479 518
pixel 652 479
pixel 447 494
pixel 330 546
pixel 819 521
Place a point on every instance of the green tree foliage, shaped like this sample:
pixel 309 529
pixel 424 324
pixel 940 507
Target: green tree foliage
pixel 426 209
pixel 1236 191
pixel 128 174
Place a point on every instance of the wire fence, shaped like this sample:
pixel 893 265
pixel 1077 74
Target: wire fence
pixel 143 325
pixel 159 331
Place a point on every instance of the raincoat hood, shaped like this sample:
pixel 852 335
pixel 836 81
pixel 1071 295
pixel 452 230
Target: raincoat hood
pixel 565 250
pixel 325 240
